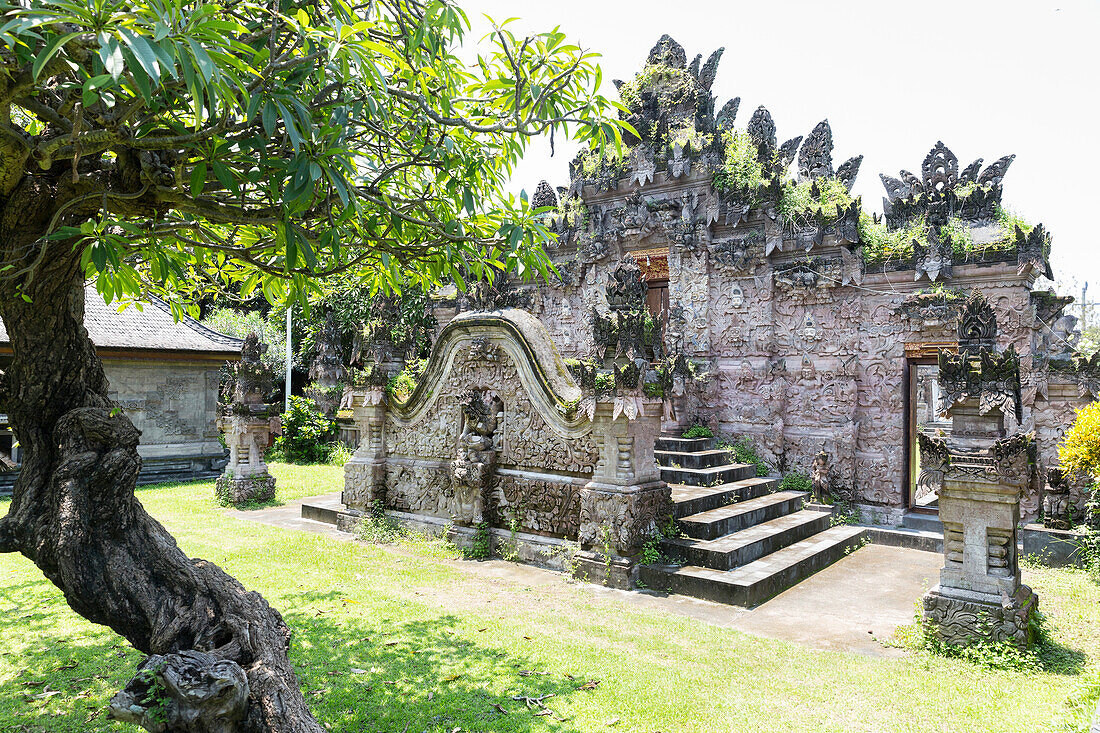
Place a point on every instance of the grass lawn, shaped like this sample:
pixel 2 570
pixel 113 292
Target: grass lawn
pixel 411 639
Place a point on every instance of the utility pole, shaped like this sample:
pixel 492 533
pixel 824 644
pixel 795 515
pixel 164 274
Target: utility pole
pixel 1084 308
pixel 289 358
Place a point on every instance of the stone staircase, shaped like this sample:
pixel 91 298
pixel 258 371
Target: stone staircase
pixel 744 540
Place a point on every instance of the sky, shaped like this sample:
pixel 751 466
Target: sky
pixel 892 78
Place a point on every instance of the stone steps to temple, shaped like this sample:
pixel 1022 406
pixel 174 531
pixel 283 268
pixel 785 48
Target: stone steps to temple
pixel 710 476
pixel 752 543
pixel 688 500
pixel 759 580
pixel 684 445
pixel 743 540
pixel 714 523
pixel 692 459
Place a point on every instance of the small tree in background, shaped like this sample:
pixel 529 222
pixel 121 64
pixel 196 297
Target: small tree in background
pixel 1079 454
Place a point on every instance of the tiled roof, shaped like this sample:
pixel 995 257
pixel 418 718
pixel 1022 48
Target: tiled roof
pixel 151 328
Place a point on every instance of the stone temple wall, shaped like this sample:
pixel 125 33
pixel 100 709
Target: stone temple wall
pixel 173 403
pixel 803 345
pixel 801 309
pixel 498 434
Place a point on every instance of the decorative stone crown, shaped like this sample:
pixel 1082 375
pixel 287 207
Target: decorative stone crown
pixel 626 290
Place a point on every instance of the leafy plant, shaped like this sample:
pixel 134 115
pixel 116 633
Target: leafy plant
pixel 799 200
pixel 481 548
pixel 745 452
pixel 741 168
pixel 307 433
pixel 698 430
pixel 795 481
pixel 1079 452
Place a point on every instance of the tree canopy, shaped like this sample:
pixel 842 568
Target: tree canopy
pixel 271 143
pixel 175 146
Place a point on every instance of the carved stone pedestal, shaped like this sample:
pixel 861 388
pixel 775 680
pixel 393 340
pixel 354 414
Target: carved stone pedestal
pixel 365 472
pixel 626 500
pixel 245 478
pixel 980 597
pixel 960 618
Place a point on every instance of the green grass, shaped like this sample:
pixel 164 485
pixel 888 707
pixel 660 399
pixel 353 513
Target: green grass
pixel 396 638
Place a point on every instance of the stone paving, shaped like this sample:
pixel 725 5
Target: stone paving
pixel 852 605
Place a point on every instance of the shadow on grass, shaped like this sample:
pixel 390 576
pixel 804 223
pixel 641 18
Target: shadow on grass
pixel 358 671
pixel 423 675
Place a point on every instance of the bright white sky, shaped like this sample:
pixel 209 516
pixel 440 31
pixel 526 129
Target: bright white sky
pixel 987 78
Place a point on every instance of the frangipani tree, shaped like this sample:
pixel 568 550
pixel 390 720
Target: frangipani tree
pixel 170 146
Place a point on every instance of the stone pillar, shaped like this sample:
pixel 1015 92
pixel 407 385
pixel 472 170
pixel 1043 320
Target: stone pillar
pixel 626 500
pixel 245 478
pixel 980 596
pixel 365 472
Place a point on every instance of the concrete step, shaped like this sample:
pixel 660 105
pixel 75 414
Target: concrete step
pixel 922 522
pixel 688 500
pixel 756 582
pixel 323 510
pixel 711 476
pixel 695 459
pixel 712 524
pixel 672 442
pixel 749 544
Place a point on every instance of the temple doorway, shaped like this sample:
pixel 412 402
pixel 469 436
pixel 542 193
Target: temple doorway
pixel 923 486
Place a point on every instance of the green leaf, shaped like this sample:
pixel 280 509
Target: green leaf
pixel 144 53
pixel 49 52
pixel 198 178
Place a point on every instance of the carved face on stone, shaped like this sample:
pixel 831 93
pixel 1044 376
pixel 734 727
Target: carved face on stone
pixel 737 297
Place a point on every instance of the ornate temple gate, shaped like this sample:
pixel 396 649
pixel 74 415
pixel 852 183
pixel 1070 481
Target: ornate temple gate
pixel 498 438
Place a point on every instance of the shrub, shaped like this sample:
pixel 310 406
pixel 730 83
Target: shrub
pixel 698 431
pixel 1080 451
pixel 796 481
pixel 308 435
pixel 745 452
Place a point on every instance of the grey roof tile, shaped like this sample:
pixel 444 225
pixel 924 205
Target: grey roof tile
pixel 151 328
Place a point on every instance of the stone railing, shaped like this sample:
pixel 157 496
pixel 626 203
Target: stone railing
pixel 493 439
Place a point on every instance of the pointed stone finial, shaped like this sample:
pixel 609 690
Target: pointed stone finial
pixel 544 196
pixel 761 129
pixel 668 52
pixel 710 70
pixel 815 159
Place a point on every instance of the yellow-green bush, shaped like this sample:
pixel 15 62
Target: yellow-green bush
pixel 1080 452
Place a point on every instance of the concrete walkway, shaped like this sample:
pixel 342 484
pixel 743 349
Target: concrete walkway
pixel 853 605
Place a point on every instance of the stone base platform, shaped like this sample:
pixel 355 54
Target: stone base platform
pixel 961 618
pixel 236 491
pixel 546 552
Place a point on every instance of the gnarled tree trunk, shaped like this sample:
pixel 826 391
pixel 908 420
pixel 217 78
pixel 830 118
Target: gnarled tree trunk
pixel 75 515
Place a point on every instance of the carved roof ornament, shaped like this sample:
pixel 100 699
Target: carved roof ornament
pixel 970 173
pixel 1033 251
pixel 815 158
pixel 977 325
pixel 1049 305
pixel 642 166
pixel 544 196
pixel 940 168
pixel 932 259
pixel 761 130
pixel 726 117
pixel 667 52
pixel 994 173
pixel 787 152
pixel 625 287
pixel 848 171
pixel 943 192
pixel 994 379
pixel 710 70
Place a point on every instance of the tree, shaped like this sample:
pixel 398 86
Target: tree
pixel 171 146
